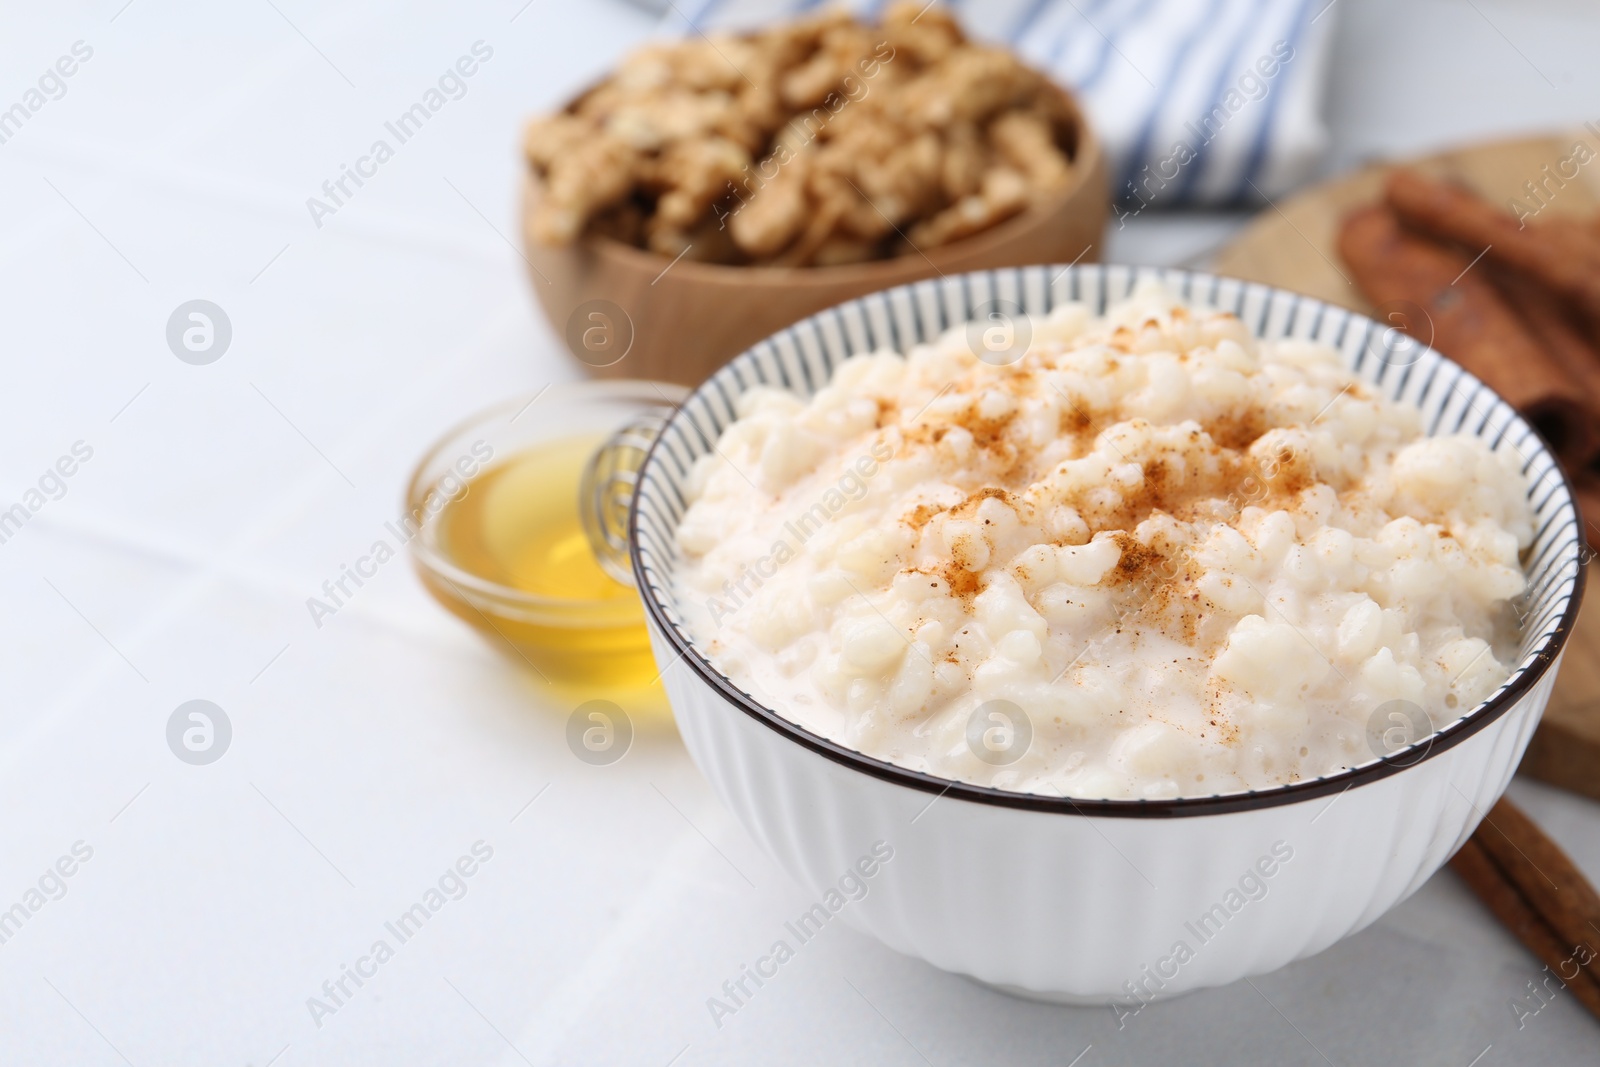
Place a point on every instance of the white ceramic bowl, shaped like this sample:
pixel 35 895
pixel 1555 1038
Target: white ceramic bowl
pixel 1100 900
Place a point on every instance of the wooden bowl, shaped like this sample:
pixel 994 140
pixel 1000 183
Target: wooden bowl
pixel 647 317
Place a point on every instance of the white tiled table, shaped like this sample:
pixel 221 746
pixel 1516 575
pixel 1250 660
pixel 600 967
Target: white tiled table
pixel 369 754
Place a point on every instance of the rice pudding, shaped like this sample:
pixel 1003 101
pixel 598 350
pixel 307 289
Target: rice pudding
pixel 1147 555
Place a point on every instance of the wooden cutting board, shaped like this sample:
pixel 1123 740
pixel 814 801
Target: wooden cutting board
pixel 1292 245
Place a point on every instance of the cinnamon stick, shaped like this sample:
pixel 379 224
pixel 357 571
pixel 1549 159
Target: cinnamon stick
pixel 1549 320
pixel 1489 883
pixel 1542 873
pixel 1561 335
pixel 1471 323
pixel 1564 257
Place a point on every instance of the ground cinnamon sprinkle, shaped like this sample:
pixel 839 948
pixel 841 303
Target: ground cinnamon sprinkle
pixel 1074 420
pixel 962 582
pixel 988 492
pixel 1149 579
pixel 986 433
pixel 1138 561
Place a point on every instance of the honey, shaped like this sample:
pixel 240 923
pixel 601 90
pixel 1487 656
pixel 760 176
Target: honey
pixel 531 582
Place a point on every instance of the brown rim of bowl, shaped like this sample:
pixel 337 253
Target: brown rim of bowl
pixel 1086 159
pixel 1472 722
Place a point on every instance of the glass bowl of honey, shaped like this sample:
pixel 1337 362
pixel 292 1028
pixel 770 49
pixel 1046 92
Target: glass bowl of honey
pixel 499 504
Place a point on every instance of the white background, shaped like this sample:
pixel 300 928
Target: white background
pixel 369 754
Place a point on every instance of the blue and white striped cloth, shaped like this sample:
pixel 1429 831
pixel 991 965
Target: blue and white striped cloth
pixel 1198 101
